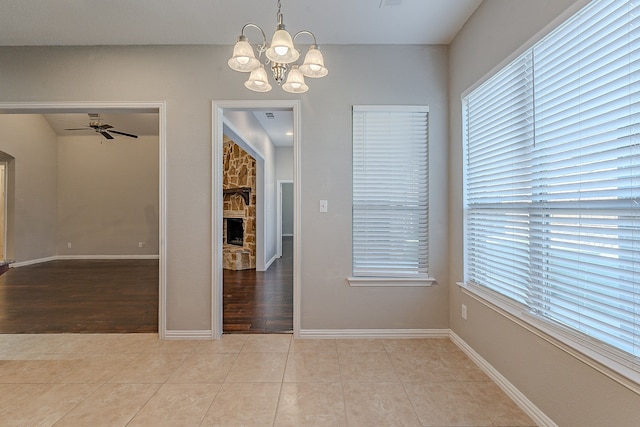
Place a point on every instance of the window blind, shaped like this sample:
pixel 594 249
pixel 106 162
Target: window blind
pixel 499 132
pixel 585 229
pixel 553 186
pixel 390 191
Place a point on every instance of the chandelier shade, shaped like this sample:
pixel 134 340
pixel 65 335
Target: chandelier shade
pixel 313 65
pixel 282 49
pixel 295 81
pixel 280 56
pixel 258 81
pixel 243 58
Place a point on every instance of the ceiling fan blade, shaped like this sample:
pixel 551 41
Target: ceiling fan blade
pixel 105 126
pixel 130 135
pixel 106 134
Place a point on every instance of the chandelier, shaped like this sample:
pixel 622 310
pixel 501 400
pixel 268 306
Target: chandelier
pixel 279 56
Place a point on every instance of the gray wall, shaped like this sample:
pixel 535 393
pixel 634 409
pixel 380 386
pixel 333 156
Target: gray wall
pixel 403 75
pixel 287 209
pixel 188 78
pixel 284 172
pixel 107 196
pixel 284 163
pixel 567 390
pixel 101 198
pixel 32 143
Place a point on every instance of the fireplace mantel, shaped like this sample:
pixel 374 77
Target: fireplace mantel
pixel 244 192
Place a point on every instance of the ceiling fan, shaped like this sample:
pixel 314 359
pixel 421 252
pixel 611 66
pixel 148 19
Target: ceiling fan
pixel 104 129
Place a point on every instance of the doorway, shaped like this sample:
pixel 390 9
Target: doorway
pixel 224 123
pixel 157 108
pixel 285 213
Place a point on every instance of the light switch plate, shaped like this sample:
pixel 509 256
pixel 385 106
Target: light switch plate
pixel 324 206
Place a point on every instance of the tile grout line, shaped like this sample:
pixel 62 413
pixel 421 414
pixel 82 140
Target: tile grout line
pixel 402 383
pixel 344 398
pixel 284 371
pixel 162 383
pixel 224 381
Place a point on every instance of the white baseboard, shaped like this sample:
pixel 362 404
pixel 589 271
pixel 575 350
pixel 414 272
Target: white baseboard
pixel 373 333
pixel 81 257
pixel 516 395
pixel 271 261
pixel 205 334
pixel 32 261
pixel 72 257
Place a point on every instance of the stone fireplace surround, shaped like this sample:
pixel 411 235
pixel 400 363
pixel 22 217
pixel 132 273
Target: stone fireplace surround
pixel 239 185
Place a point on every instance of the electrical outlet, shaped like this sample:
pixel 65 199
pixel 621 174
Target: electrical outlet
pixel 141 244
pixel 68 245
pixel 464 312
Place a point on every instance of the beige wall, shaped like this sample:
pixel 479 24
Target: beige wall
pixel 33 144
pixel 566 389
pixel 107 196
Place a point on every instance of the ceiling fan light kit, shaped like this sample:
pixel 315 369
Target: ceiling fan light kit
pixel 95 124
pixel 279 56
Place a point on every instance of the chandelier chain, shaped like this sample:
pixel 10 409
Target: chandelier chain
pixel 279 14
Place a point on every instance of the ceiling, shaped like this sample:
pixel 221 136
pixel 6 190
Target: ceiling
pixel 135 123
pixel 219 22
pixel 175 22
pixel 278 124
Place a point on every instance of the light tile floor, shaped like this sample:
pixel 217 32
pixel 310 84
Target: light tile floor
pixel 244 380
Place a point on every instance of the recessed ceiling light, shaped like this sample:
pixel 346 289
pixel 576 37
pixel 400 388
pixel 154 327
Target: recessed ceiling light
pixel 289 133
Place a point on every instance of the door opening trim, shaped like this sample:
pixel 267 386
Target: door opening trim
pixel 159 107
pixel 218 108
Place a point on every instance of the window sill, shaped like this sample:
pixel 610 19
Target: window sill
pixel 391 281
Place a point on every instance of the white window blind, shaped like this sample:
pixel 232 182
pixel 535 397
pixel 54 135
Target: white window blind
pixel 390 191
pixel 499 132
pixel 553 186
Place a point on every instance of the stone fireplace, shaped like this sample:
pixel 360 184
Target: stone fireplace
pixel 239 210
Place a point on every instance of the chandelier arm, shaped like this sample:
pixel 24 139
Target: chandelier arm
pixel 263 46
pixel 307 32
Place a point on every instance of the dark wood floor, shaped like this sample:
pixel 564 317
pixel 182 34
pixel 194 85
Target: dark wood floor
pixel 260 302
pixel 91 296
pixel 119 296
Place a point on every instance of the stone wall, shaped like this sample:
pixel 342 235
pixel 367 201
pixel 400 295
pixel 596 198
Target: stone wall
pixel 239 172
